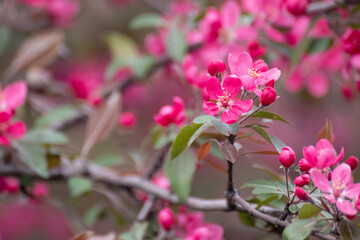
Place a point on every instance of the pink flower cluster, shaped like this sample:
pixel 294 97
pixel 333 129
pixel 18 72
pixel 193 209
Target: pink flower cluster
pixel 337 186
pixel 12 186
pixel 171 114
pixel 60 12
pixel 189 225
pixel 11 98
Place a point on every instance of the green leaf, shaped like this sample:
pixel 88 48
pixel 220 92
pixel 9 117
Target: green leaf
pixel 4 38
pixel 229 152
pixel 273 175
pixel 293 208
pixel 299 230
pixel 273 140
pixel 175 44
pixel 120 45
pixel 180 173
pixel 33 156
pixel 146 20
pixel 222 127
pixel 319 45
pixel 44 136
pixel 203 119
pixel 141 65
pixel 79 186
pixel 198 133
pixel 109 160
pixel 267 201
pixel 182 139
pixel 270 115
pixel 93 214
pixel 349 231
pixel 247 219
pixel 56 117
pixel 263 187
pixel 308 211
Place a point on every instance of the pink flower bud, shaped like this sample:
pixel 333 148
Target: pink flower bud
pixel 304 165
pixel 127 119
pixel 2 184
pixel 358 85
pixel 40 190
pixel 306 178
pixel 216 66
pixel 301 193
pixel 350 217
pixel 268 96
pixel 287 157
pixel 299 181
pixel 351 41
pixel 166 218
pixel 270 83
pixel 12 185
pixel 347 92
pixel 296 7
pixel 256 50
pixel 329 175
pixel 352 162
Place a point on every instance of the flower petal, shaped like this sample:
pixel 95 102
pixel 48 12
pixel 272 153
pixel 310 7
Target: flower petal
pixel 248 83
pixel 232 85
pixel 214 88
pixel 230 12
pixel 352 191
pixel 341 175
pixel 346 207
pixel 178 104
pixel 211 108
pixel 241 107
pixel 239 65
pixel 320 180
pixel 271 74
pixel 317 85
pixel 309 154
pixel 16 130
pixel 323 144
pixel 14 96
pixel 4 141
pixel 229 116
pixel 326 158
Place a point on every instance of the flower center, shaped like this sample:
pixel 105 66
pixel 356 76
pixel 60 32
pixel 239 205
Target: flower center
pixel 225 99
pixel 252 72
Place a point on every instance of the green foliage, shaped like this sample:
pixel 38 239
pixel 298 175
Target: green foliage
pixel 247 219
pixel 56 116
pixel 308 211
pixel 349 231
pixel 93 214
pixel 32 155
pixel 146 20
pixel 4 38
pixel 137 232
pixel 109 160
pixel 273 140
pixel 175 44
pixel 299 230
pixel 319 45
pixel 265 187
pixel 182 139
pixel 204 119
pixel 44 136
pixel 79 186
pixel 180 172
pixel 270 115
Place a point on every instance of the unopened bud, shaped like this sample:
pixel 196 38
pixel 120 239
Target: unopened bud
pixel 166 218
pixel 352 162
pixel 12 185
pixel 306 178
pixel 301 193
pixel 268 96
pixel 216 66
pixel 270 83
pixel 296 7
pixel 299 181
pixel 304 165
pixel 287 157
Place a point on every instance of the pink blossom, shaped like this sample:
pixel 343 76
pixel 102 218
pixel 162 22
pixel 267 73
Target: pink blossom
pixel 322 156
pixel 296 7
pixel 13 96
pixel 62 12
pixel 256 50
pixel 10 130
pixel 351 41
pixel 208 231
pixel 340 189
pixel 40 190
pixel 216 66
pixel 224 99
pixel 127 119
pixel 154 44
pixel 251 73
pixel 171 114
pixel 166 218
pixel 12 185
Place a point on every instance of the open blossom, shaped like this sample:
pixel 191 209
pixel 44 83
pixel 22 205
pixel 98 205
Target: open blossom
pixel 252 74
pixel 10 130
pixel 322 155
pixel 171 114
pixel 224 99
pixel 341 190
pixel 13 96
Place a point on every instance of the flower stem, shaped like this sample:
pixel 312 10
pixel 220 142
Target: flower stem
pixel 287 183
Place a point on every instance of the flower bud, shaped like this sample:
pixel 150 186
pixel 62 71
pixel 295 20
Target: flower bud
pixel 299 181
pixel 270 83
pixel 358 85
pixel 216 66
pixel 329 175
pixel 40 190
pixel 296 7
pixel 347 92
pixel 306 178
pixel 301 193
pixel 268 96
pixel 304 165
pixel 2 184
pixel 256 50
pixel 166 218
pixel 127 120
pixel 352 162
pixel 350 217
pixel 12 185
pixel 287 157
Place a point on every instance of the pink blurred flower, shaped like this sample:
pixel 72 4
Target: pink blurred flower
pixel 322 156
pixel 351 41
pixel 12 185
pixel 216 66
pixel 154 44
pixel 171 114
pixel 208 231
pixel 224 99
pixel 40 190
pixel 13 96
pixel 127 119
pixel 296 7
pixel 339 189
pixel 166 218
pixel 251 73
pixel 256 50
pixel 10 130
